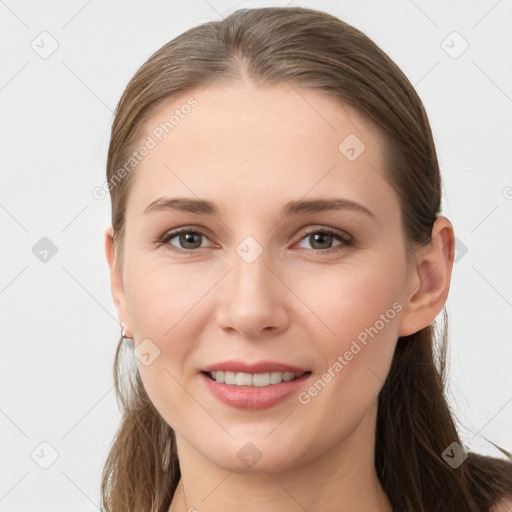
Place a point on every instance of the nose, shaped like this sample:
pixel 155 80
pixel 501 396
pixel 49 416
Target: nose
pixel 252 298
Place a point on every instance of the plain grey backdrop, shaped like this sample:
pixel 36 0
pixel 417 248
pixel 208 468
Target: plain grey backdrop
pixel 63 68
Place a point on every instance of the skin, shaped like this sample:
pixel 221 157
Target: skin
pixel 250 149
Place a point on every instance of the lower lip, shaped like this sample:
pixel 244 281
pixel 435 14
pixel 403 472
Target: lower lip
pixel 254 398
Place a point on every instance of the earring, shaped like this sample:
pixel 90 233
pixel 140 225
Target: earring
pixel 123 331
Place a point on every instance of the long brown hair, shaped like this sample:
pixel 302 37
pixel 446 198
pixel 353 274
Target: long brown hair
pixel 315 50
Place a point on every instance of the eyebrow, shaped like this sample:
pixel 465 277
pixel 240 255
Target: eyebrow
pixel 204 207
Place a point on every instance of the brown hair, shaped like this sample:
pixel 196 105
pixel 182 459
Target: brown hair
pixel 315 50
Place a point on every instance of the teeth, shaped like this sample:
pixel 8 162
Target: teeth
pixel 243 379
pixel 276 377
pixel 230 378
pixel 261 379
pixel 248 379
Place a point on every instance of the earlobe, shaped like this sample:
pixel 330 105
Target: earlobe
pixel 430 279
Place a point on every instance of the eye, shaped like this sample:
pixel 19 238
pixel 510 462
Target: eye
pixel 188 239
pixel 322 239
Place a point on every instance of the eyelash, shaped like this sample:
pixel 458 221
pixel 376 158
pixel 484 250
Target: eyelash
pixel 346 239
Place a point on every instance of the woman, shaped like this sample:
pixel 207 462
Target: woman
pixel 278 260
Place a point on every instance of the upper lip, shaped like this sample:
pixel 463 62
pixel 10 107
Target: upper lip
pixel 253 368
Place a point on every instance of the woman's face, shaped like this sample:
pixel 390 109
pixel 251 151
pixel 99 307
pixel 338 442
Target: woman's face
pixel 255 279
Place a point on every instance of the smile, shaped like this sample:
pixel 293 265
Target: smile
pixel 254 392
pixel 256 380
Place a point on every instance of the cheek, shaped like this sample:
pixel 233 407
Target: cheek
pixel 164 305
pixel 163 298
pixel 355 363
pixel 354 329
pixel 346 299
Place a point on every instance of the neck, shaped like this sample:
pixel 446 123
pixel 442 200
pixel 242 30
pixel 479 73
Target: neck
pixel 342 479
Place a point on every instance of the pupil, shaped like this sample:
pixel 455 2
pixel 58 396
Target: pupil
pixel 327 238
pixel 189 238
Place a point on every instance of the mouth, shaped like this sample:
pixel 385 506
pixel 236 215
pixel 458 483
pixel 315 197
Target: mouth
pixel 254 385
pixel 253 379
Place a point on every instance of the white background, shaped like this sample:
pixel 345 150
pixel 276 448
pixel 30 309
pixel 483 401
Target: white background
pixel 58 323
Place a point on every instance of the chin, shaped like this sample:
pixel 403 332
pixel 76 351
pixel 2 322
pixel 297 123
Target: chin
pixel 256 457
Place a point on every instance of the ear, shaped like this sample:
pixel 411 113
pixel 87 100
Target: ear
pixel 429 279
pixel 116 281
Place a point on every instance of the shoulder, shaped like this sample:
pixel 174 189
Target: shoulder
pixel 504 505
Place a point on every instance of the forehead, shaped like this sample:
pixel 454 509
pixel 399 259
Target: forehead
pixel 246 142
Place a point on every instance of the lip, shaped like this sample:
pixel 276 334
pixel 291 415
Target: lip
pixel 254 398
pixel 259 367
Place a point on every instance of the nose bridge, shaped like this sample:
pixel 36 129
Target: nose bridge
pixel 251 300
pixel 251 279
